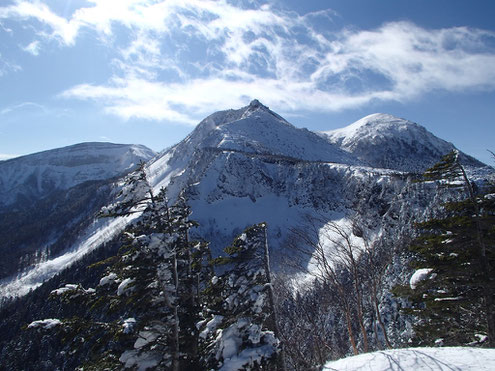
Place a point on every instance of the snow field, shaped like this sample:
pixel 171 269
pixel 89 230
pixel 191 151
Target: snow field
pixel 419 359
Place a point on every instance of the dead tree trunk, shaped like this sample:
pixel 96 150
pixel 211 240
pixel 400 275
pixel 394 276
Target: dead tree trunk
pixel 271 301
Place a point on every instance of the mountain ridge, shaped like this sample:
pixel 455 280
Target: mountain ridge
pixel 250 165
pixel 386 141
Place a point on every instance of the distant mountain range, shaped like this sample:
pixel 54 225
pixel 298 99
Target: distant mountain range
pixel 239 167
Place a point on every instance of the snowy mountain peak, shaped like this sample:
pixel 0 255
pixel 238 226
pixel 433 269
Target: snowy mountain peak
pixel 257 129
pixel 250 130
pixel 387 141
pixel 35 176
pixel 375 126
pixel 242 167
pixel 225 117
pixel 257 103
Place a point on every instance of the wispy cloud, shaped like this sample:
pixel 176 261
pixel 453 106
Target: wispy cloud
pixel 187 58
pixel 8 66
pixel 6 29
pixel 62 29
pixel 412 60
pixel 21 106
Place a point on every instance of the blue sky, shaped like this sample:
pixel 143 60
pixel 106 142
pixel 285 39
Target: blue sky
pixel 136 71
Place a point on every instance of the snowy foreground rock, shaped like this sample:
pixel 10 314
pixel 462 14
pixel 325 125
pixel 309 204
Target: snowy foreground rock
pixel 419 359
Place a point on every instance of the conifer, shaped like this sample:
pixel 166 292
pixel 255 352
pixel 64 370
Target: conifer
pixel 239 327
pixel 456 252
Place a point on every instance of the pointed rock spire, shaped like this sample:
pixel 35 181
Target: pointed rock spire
pixel 255 103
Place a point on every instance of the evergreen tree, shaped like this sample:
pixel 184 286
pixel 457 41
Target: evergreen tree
pixel 143 314
pixel 174 272
pixel 239 331
pixel 452 291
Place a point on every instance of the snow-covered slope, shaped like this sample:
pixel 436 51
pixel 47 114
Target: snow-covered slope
pixel 419 359
pixel 34 176
pixel 99 232
pixel 48 201
pixel 249 165
pixel 385 141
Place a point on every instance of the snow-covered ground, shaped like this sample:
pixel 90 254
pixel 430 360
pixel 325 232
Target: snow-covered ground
pixel 419 359
pixel 102 230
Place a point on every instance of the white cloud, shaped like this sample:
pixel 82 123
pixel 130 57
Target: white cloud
pixel 412 59
pixel 187 58
pixel 33 48
pixel 133 98
pixel 62 29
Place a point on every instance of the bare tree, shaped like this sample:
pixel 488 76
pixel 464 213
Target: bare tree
pixel 305 327
pixel 344 258
pixel 344 251
pixel 377 259
pixel 328 268
pixel 271 300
